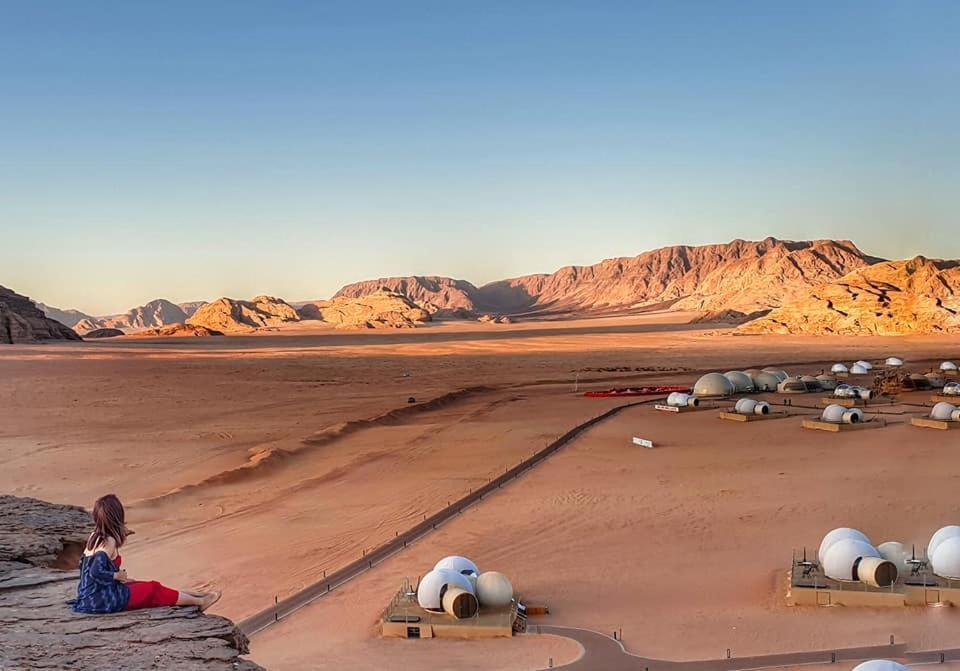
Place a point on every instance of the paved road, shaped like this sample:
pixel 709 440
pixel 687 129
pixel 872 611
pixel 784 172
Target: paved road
pixel 603 653
pixel 291 604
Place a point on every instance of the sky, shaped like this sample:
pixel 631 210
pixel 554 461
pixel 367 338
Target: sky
pixel 191 150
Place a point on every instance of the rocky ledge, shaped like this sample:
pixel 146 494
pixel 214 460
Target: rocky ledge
pixel 38 541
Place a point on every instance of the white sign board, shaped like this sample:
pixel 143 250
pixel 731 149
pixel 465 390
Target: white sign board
pixel 666 408
pixel 642 442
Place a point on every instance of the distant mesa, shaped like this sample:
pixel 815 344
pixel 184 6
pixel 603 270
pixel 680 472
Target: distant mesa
pixel 381 309
pixel 21 321
pixel 177 331
pixel 440 296
pixel 915 296
pixel 103 333
pixel 229 315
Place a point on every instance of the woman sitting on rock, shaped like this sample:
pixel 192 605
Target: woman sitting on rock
pixel 104 586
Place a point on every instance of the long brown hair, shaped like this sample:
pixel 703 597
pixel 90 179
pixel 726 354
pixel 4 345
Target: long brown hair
pixel 108 522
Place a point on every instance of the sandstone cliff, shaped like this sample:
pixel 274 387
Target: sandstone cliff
pixel 40 547
pixel 177 331
pixel 229 315
pixel 915 296
pixel 739 276
pixel 440 296
pixel 378 310
pixel 21 321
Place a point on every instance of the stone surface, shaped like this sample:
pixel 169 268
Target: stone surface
pixel 915 296
pixel 379 310
pixel 230 315
pixel 67 317
pixel 21 321
pixel 39 631
pixel 440 296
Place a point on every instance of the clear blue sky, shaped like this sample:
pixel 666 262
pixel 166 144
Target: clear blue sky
pixel 197 149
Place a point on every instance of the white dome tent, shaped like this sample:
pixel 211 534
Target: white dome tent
pixel 765 381
pixel 945 562
pixel 894 361
pixel 859 369
pixel 839 368
pixel 945 412
pixel 864 364
pixel 948 366
pixel 494 590
pixel 741 381
pixel 446 590
pixel 942 534
pixel 748 406
pixel 838 414
pixel 847 555
pixel 713 384
pixel 461 565
pixel 678 399
pixel 880 665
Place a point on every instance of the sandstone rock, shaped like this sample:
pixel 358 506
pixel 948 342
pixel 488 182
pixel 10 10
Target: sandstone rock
pixel 440 296
pixel 21 321
pixel 177 331
pixel 915 296
pixel 382 309
pixel 229 315
pixel 39 631
pixel 103 333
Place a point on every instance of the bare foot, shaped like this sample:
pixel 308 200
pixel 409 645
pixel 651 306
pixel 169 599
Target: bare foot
pixel 209 600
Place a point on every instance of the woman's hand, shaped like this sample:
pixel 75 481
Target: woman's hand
pixel 121 575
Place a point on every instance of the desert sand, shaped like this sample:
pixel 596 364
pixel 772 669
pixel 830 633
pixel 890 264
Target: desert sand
pixel 256 463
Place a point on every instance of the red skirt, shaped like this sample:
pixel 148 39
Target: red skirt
pixel 150 594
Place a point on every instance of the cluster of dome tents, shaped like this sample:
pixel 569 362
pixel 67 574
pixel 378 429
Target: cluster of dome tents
pixel 457 587
pixel 766 380
pixel 847 555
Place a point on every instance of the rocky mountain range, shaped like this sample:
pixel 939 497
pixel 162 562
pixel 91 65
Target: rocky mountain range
pixel 915 296
pixel 818 286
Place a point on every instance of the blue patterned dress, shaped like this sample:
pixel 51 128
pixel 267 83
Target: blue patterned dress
pixel 98 592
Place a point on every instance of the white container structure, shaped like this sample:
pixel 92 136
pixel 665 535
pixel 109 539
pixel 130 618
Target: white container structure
pixel 839 368
pixel 948 366
pixel 945 412
pixel 741 382
pixel 837 414
pixel 748 406
pixel 678 399
pixel 943 552
pixel 846 554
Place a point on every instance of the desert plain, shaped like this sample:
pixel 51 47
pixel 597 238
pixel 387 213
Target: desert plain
pixel 255 464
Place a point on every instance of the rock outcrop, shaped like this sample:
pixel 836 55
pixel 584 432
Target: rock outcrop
pixel 156 313
pixel 21 321
pixel 103 333
pixel 440 296
pixel 177 331
pixel 915 296
pixel 382 309
pixel 38 540
pixel 740 276
pixel 228 315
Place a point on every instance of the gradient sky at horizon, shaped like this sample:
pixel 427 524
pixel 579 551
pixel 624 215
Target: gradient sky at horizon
pixel 193 150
